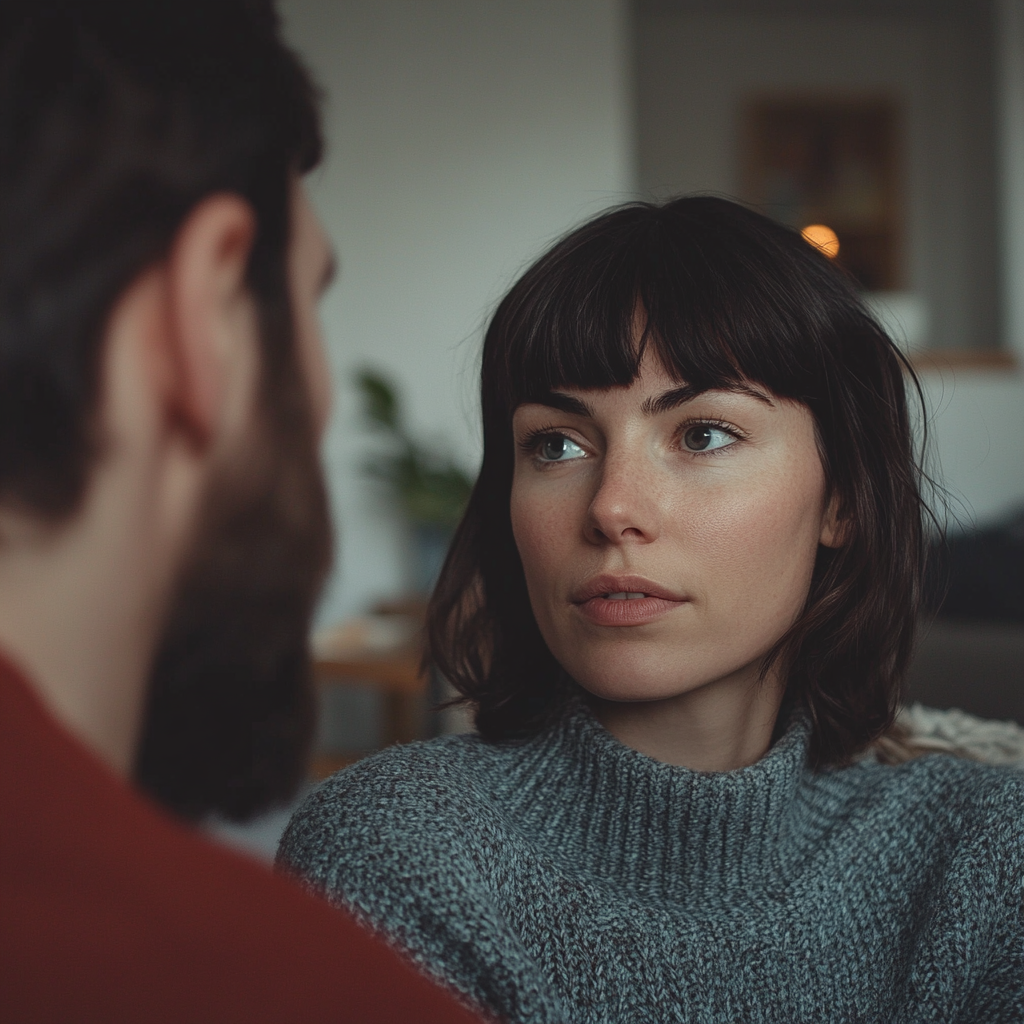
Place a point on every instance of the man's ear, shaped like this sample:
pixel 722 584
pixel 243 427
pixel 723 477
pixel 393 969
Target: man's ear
pixel 834 527
pixel 212 355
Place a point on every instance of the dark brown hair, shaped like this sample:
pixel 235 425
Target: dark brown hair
pixel 728 296
pixel 116 119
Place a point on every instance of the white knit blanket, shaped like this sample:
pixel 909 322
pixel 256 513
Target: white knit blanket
pixel 990 741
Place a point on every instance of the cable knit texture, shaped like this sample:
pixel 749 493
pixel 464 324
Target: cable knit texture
pixel 570 878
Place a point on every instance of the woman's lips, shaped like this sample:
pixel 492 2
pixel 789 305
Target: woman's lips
pixel 624 600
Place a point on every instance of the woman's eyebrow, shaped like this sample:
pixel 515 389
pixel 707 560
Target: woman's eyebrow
pixel 564 403
pixel 676 397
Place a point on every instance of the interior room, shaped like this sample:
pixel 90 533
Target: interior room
pixel 465 135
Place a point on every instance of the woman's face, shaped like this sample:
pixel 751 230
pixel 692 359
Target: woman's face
pixel 667 537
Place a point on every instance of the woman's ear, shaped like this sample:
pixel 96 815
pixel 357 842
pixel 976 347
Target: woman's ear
pixel 834 526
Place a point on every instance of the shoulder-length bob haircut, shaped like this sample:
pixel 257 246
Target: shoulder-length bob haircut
pixel 722 295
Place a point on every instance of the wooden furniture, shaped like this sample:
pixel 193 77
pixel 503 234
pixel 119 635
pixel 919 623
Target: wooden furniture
pixel 395 672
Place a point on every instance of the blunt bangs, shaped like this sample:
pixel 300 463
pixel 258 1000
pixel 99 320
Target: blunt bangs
pixel 705 285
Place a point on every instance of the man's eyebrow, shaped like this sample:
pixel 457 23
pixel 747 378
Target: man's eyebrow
pixel 329 273
pixel 563 402
pixel 676 397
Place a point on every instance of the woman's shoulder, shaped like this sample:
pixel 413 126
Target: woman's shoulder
pixel 974 762
pixel 947 794
pixel 953 778
pixel 403 839
pixel 948 748
pixel 431 796
pixel 449 768
pixel 965 780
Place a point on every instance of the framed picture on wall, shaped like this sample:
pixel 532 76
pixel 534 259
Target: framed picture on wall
pixel 830 168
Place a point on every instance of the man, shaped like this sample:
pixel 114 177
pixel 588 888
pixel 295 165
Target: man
pixel 163 523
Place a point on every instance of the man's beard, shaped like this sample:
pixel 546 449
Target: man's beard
pixel 231 706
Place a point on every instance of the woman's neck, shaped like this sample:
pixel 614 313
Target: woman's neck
pixel 725 725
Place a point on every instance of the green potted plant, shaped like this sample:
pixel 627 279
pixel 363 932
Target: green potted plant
pixel 429 488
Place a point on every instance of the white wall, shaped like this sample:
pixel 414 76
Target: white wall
pixel 976 441
pixel 1009 24
pixel 978 418
pixel 464 135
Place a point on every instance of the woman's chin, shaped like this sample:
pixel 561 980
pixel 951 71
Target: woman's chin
pixel 633 687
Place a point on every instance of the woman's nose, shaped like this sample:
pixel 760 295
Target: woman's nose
pixel 624 508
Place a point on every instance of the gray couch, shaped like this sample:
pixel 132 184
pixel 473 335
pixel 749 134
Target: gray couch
pixel 977 667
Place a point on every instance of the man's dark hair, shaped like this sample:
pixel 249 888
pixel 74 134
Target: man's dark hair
pixel 116 119
pixel 724 295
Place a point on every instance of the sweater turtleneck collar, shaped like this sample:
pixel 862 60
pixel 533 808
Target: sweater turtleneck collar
pixel 658 829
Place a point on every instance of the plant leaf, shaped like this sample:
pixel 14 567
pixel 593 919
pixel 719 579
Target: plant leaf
pixel 380 403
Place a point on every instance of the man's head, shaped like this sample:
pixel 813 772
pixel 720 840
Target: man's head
pixel 149 163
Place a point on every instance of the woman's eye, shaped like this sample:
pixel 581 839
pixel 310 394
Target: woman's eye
pixel 703 437
pixel 558 448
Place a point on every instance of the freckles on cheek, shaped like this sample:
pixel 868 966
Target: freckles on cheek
pixel 545 528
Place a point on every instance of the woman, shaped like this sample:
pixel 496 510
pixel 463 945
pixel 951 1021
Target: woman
pixel 681 602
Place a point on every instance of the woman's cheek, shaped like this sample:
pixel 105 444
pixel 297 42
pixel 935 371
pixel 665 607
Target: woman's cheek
pixel 536 533
pixel 760 553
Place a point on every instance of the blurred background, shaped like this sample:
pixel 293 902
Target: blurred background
pixel 465 135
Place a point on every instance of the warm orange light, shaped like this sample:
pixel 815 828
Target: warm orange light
pixel 823 238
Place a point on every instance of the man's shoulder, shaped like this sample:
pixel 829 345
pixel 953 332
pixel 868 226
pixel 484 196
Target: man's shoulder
pixel 196 932
pixel 191 931
pixel 110 905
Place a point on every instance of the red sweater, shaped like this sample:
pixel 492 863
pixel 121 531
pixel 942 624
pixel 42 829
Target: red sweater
pixel 112 911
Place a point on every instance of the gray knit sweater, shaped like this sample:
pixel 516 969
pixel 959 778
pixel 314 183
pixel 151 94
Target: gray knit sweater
pixel 570 878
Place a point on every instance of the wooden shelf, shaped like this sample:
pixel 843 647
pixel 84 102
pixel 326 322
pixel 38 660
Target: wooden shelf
pixel 963 359
pixel 396 671
pixel 323 765
pixel 396 674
